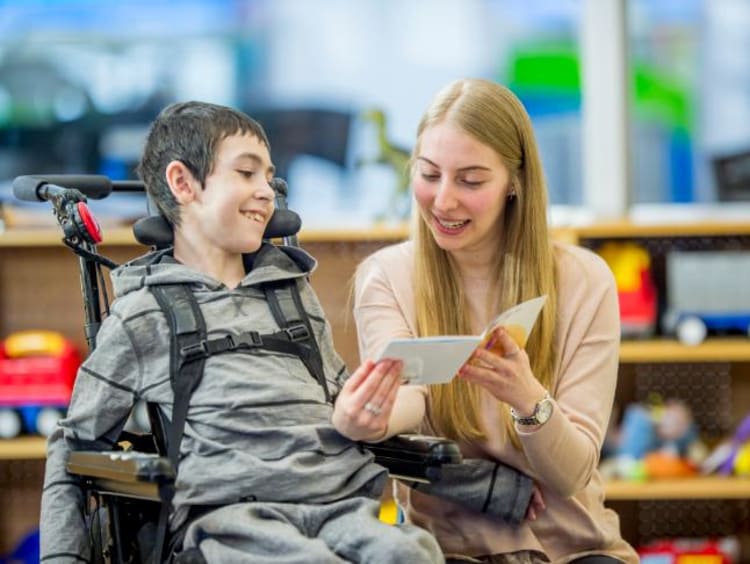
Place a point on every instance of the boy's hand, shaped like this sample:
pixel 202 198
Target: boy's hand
pixel 363 407
pixel 536 505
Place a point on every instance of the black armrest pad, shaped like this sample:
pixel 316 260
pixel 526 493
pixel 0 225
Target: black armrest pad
pixel 485 486
pixel 415 457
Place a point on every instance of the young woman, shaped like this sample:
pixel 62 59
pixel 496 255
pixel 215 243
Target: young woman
pixel 480 245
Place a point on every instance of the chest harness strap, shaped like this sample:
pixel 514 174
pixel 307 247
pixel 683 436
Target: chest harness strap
pixel 190 347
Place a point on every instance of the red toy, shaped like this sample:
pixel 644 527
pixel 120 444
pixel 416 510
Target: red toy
pixel 631 265
pixel 690 551
pixel 37 371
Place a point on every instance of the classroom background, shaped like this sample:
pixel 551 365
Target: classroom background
pixel 642 113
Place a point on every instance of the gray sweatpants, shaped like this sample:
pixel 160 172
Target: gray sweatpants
pixel 286 533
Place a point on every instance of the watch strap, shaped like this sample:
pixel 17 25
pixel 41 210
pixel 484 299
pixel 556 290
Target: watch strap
pixel 533 418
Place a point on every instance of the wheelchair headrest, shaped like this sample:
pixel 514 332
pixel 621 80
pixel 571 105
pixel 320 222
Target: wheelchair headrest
pixel 156 231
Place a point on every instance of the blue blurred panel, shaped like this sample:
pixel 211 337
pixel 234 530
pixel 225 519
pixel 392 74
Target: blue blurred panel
pixel 134 17
pixel 541 104
pixel 681 167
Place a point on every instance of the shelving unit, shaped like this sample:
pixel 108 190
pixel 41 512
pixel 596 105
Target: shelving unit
pixel 39 288
pixel 713 378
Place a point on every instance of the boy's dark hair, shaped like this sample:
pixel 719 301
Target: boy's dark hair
pixel 188 132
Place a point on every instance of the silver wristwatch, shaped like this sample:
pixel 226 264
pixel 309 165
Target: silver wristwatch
pixel 542 412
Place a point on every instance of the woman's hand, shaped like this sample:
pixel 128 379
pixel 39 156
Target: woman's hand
pixel 363 407
pixel 506 375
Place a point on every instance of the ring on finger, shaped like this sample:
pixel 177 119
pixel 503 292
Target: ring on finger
pixel 512 353
pixel 372 408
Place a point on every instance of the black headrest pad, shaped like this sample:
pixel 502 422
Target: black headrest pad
pixel 155 230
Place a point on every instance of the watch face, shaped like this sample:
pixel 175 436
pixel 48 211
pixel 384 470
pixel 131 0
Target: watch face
pixel 544 411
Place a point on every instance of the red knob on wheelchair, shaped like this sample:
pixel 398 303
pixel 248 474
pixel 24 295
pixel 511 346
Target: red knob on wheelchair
pixel 87 225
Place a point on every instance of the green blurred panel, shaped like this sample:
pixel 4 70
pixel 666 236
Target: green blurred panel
pixel 550 67
pixel 661 98
pixel 553 69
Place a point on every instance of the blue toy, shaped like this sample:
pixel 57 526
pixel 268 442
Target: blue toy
pixel 27 551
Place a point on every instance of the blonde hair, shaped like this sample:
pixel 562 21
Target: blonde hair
pixel 524 263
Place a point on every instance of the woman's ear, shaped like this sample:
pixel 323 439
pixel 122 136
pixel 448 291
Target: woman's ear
pixel 181 182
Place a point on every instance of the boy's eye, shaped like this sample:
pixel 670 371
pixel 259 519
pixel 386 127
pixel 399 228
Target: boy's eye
pixel 247 173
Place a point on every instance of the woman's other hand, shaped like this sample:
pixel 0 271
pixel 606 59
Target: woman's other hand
pixel 363 407
pixel 503 369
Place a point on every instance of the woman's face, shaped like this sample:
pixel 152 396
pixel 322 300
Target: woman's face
pixel 461 187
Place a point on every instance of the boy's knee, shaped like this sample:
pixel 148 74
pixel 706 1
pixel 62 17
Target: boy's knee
pixel 419 546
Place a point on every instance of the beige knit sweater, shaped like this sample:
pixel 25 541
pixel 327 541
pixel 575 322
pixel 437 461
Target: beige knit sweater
pixel 562 455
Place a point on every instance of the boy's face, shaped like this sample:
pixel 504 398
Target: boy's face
pixel 232 210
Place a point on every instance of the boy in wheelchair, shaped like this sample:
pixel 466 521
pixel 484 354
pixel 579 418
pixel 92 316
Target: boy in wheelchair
pixel 268 451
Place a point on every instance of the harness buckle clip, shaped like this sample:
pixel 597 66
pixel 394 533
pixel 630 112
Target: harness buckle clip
pixel 297 332
pixel 248 339
pixel 196 350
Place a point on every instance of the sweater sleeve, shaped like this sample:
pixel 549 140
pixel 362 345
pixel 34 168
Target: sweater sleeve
pixel 564 452
pixel 379 314
pixel 382 307
pixel 103 395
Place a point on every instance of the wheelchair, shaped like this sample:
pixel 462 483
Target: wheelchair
pixel 128 491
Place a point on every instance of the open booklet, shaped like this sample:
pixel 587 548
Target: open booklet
pixel 436 360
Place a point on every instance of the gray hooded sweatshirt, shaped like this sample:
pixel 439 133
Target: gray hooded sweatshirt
pixel 258 425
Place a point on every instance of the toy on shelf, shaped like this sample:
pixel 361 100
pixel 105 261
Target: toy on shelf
pixel 636 291
pixel 37 371
pixel 27 550
pixel 658 440
pixel 732 457
pixel 394 157
pixel 690 551
pixel 707 291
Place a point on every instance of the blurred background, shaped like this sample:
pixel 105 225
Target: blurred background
pixel 339 85
pixel 641 109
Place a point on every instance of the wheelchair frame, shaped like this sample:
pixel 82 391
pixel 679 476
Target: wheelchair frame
pixel 126 489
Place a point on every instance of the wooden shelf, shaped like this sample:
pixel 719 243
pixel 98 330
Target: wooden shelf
pixel 625 229
pixel 704 487
pixel 123 236
pixel 24 448
pixel 731 349
pixel 20 237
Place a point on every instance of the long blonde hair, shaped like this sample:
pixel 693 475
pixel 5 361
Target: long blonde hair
pixel 523 264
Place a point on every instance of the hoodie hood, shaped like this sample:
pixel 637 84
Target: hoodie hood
pixel 270 263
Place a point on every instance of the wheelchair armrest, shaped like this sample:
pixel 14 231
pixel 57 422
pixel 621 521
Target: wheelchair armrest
pixel 125 473
pixel 415 457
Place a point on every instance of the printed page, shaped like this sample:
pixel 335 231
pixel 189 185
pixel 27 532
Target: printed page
pixel 518 321
pixel 431 360
pixel 436 360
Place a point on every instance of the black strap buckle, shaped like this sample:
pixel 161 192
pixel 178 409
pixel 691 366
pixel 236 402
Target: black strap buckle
pixel 196 350
pixel 297 332
pixel 249 339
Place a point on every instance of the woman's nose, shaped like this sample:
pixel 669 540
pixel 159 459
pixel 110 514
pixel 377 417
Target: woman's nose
pixel 445 197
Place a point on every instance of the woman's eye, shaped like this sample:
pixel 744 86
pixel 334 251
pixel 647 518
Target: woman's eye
pixel 246 173
pixel 472 183
pixel 430 177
